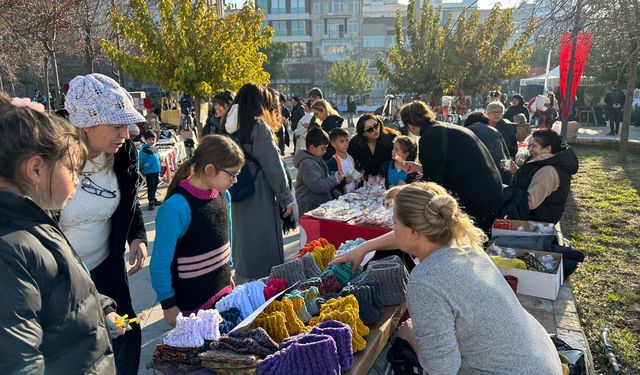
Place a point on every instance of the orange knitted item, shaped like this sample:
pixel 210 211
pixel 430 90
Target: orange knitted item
pixel 274 323
pixel 311 245
pixel 293 323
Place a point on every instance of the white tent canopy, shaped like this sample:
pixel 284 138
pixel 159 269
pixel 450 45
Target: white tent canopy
pixel 553 79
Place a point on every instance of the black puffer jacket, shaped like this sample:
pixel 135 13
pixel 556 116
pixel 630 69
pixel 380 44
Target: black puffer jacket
pixel 52 320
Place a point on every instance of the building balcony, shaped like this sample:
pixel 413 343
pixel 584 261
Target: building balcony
pixel 292 38
pixel 287 16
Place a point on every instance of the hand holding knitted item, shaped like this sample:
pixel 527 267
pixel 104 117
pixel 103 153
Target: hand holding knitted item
pixel 186 334
pixel 343 272
pixel 255 341
pixel 294 324
pixel 306 355
pixel 273 287
pixel 310 267
pixel 330 284
pixel 391 275
pixel 210 324
pixel 341 334
pixel 292 271
pixel 274 323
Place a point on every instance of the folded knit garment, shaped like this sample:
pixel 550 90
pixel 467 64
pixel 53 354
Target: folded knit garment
pixel 273 287
pixel 168 367
pixel 345 310
pixel 274 323
pixel 308 354
pixel 246 298
pixel 314 281
pixel 310 267
pixel 172 354
pixel 294 324
pixel 254 341
pixel 312 245
pixel 369 302
pixel 210 324
pixel 391 275
pixel 292 271
pixel 343 272
pixel 186 334
pixel 300 307
pixel 330 284
pixel 220 359
pixel 231 318
pixel 310 295
pixel 341 334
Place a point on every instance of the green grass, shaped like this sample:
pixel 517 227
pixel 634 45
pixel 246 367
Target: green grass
pixel 602 218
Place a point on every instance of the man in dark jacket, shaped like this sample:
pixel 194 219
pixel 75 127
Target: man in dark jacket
pixel 517 106
pixel 615 103
pixel 478 122
pixel 52 316
pixel 507 129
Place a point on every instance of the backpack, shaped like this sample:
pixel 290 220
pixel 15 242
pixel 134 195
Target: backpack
pixel 245 186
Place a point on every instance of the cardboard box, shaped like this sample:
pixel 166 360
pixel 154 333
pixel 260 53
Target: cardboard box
pixel 537 284
pixel 508 227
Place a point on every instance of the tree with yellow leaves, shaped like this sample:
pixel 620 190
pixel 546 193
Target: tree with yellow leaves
pixel 190 49
pixel 348 77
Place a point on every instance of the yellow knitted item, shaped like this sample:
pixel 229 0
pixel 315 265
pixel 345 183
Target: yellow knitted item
pixel 344 309
pixel 274 323
pixel 323 255
pixel 501 262
pixel 293 323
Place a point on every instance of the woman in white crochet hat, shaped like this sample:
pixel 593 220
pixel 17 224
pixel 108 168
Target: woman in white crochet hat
pixel 104 215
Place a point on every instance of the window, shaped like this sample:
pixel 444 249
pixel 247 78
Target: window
pixel 336 49
pixel 297 6
pixel 355 6
pixel 317 6
pixel 300 50
pixel 298 27
pixel 280 27
pixel 318 28
pixel 352 27
pixel 335 7
pixel 373 41
pixel 262 4
pixel 334 30
pixel 278 6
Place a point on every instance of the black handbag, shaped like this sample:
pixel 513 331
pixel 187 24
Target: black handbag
pixel 245 185
pixel 574 357
pixel 403 359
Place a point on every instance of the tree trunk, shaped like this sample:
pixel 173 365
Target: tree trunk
pixel 13 88
pixel 46 83
pixel 197 106
pixel 1 84
pixel 58 87
pixel 626 119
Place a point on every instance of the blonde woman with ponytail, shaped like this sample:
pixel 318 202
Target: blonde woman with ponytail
pixel 465 318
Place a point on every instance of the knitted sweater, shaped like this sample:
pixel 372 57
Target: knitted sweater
pixel 468 321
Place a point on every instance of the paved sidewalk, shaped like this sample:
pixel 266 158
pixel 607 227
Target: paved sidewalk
pixel 598 136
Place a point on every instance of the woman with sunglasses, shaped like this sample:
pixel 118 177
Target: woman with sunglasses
pixel 104 215
pixel 372 144
pixel 191 252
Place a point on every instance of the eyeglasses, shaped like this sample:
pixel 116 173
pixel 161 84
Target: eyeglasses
pixel 92 188
pixel 232 176
pixel 372 129
pixel 495 112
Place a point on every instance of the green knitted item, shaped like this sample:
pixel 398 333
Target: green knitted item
pixel 342 271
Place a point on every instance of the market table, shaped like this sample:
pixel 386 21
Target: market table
pixel 377 338
pixel 337 232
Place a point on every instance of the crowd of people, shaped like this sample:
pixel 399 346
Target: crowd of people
pixel 70 202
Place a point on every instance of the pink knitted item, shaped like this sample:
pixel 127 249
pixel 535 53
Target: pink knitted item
pixel 273 287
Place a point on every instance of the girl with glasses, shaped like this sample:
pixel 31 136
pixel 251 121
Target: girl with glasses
pixel 372 144
pixel 192 250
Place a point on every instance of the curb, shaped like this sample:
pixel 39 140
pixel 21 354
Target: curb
pixel 634 145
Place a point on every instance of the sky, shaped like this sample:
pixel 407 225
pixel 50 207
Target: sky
pixel 482 4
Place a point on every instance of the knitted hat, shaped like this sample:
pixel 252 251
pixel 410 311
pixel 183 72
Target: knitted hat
pixel 307 355
pixel 310 267
pixel 324 255
pixel 391 275
pixel 343 272
pixel 273 287
pixel 219 359
pixel 293 271
pixel 330 284
pixel 294 324
pixel 246 298
pixel 322 300
pixel 231 318
pixel 96 99
pixel 209 324
pixel 314 281
pixel 300 307
pixel 341 334
pixel 368 300
pixel 348 245
pixel 186 334
pixel 274 323
pixel 255 341
pixel 346 310
pixel 309 296
pixel 312 245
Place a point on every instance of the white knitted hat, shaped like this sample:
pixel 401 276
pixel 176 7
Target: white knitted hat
pixel 96 99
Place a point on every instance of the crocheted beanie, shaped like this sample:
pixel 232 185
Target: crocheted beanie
pixel 186 334
pixel 294 324
pixel 254 341
pixel 323 255
pixel 322 300
pixel 231 318
pixel 273 287
pixel 310 295
pixel 246 298
pixel 300 307
pixel 210 324
pixel 343 272
pixel 310 267
pixel 348 245
pixel 312 245
pixel 341 334
pixel 314 281
pixel 344 309
pixel 330 284
pixel 392 277
pixel 275 323
pixel 306 355
pixel 368 301
pixel 292 271
pixel 96 99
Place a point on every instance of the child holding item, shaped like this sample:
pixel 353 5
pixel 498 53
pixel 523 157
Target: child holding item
pixel 191 253
pixel 342 162
pixel 404 149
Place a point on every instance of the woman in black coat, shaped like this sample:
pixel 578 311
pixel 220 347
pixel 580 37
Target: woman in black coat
pixel 372 144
